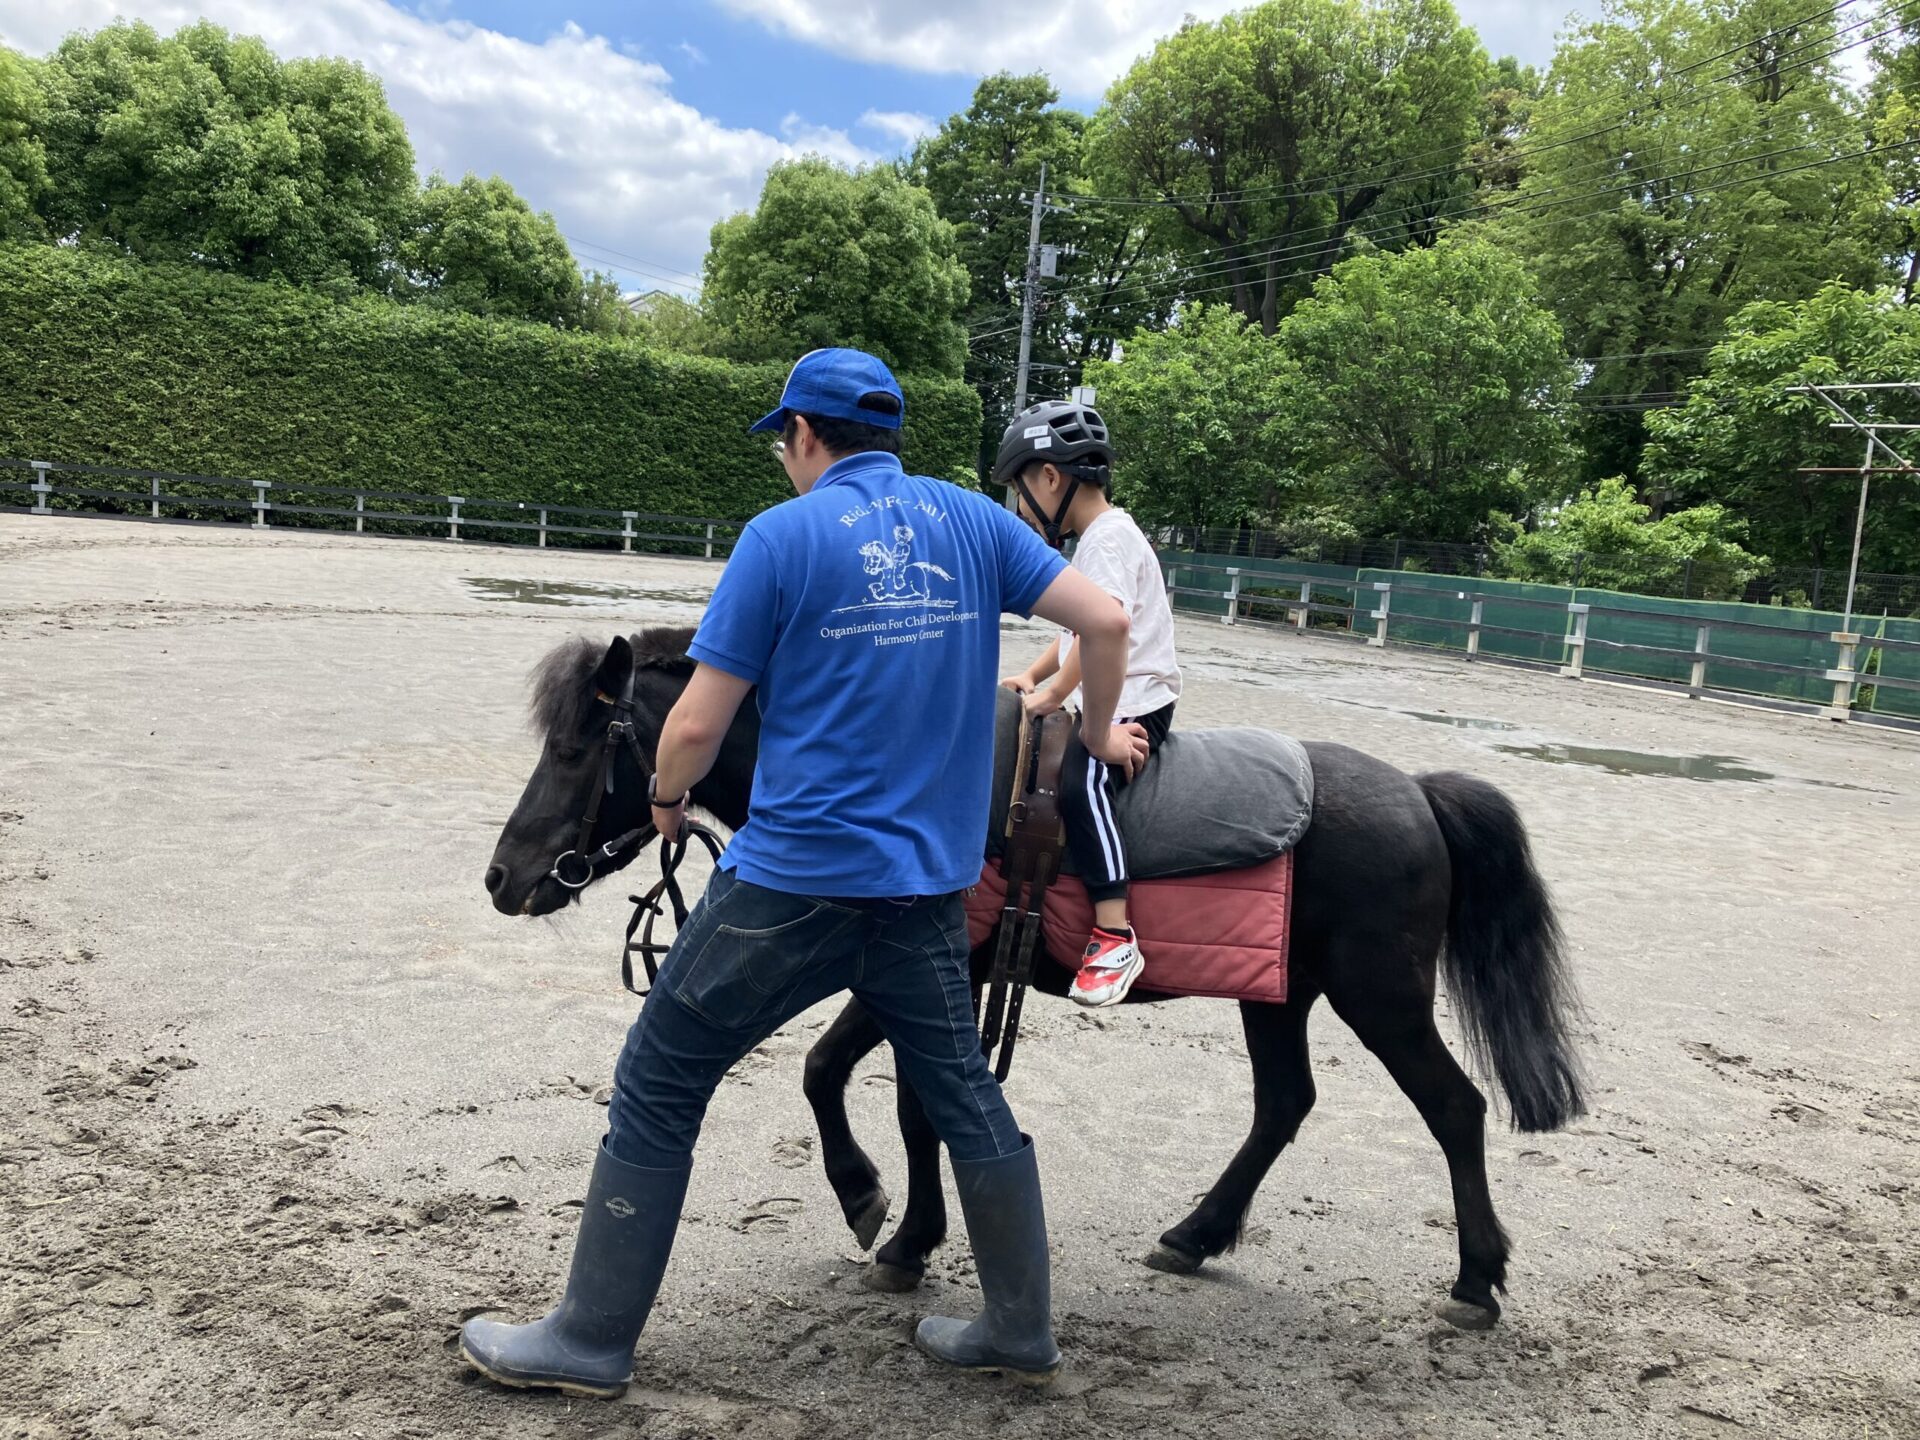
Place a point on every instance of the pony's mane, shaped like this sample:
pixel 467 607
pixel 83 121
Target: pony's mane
pixel 562 683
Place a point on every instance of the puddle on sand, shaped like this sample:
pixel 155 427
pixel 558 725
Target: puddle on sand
pixel 1680 767
pixel 560 592
pixel 1432 717
pixel 1458 722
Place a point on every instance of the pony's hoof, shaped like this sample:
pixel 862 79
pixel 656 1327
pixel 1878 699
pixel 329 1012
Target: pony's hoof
pixel 1169 1261
pixel 1465 1315
pixel 889 1279
pixel 873 1215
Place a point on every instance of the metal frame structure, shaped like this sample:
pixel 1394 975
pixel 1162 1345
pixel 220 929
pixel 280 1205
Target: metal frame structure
pixel 1867 470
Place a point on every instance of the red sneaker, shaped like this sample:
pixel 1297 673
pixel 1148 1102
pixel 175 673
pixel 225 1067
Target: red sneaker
pixel 1111 965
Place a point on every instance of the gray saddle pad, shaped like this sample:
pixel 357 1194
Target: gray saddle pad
pixel 1209 799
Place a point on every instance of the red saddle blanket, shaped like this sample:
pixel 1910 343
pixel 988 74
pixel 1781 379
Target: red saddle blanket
pixel 1223 935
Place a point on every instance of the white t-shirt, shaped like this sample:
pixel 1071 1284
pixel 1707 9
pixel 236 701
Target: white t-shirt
pixel 1116 556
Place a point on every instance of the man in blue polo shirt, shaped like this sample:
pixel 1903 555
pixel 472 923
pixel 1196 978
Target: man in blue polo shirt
pixel 863 616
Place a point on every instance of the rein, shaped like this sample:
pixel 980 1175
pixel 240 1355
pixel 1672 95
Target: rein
pixel 646 908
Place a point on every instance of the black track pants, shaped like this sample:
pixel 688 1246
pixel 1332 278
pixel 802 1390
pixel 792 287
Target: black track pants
pixel 1087 788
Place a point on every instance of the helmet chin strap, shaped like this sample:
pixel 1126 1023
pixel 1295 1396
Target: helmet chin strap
pixel 1054 527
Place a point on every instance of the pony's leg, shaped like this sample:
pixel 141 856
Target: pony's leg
pixel 852 1174
pixel 1406 1041
pixel 1282 1096
pixel 900 1264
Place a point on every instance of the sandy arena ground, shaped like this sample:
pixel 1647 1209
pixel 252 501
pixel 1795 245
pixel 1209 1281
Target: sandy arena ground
pixel 283 1099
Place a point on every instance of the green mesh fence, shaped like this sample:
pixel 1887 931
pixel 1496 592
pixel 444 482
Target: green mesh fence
pixel 1893 664
pixel 1524 621
pixel 1420 601
pixel 1263 590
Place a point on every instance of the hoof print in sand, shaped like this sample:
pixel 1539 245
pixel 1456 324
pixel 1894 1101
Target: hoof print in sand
pixel 793 1154
pixel 768 1217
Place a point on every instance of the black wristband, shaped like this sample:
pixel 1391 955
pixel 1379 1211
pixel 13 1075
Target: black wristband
pixel 653 795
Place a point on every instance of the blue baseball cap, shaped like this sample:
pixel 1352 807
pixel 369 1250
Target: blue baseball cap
pixel 842 385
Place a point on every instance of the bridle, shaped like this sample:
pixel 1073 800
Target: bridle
pixel 620 732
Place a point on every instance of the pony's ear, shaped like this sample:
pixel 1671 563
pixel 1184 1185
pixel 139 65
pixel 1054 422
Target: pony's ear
pixel 615 666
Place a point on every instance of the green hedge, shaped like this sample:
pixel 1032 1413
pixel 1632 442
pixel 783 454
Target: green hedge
pixel 105 361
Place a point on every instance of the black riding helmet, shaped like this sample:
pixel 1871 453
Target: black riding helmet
pixel 1066 434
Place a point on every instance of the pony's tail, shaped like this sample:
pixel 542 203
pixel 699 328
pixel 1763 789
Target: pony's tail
pixel 1505 960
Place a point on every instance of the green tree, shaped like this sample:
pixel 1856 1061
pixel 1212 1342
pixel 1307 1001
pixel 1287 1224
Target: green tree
pixel 477 246
pixel 1606 538
pixel 1271 135
pixel 203 147
pixel 1893 108
pixel 1742 439
pixel 838 257
pixel 1688 158
pixel 981 168
pixel 1426 390
pixel 23 156
pixel 1192 410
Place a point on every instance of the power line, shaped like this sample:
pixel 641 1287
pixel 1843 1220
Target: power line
pixel 1433 215
pixel 1176 286
pixel 1236 195
pixel 651 269
pixel 1179 293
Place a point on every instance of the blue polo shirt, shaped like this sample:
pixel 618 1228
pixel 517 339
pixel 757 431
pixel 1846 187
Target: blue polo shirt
pixel 867 613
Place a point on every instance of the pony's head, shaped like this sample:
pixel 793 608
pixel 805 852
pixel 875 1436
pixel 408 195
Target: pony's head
pixel 572 705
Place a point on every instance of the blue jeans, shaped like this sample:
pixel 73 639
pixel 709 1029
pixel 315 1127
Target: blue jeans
pixel 750 959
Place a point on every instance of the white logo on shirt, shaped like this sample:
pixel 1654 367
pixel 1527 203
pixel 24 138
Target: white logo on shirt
pixel 904 582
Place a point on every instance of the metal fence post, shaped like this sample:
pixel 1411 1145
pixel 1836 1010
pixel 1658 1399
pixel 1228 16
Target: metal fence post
pixel 1233 596
pixel 260 503
pixel 1384 589
pixel 1473 629
pixel 543 527
pixel 454 502
pixel 154 491
pixel 1698 680
pixel 1686 579
pixel 709 542
pixel 1301 616
pixel 1579 560
pixel 359 512
pixel 1577 642
pixel 41 487
pixel 1813 600
pixel 1844 677
pixel 627 517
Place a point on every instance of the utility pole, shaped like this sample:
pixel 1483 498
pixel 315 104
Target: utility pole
pixel 1030 292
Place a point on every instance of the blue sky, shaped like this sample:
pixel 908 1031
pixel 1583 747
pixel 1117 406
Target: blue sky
pixel 639 125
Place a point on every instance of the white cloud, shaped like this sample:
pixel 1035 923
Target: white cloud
pixel 903 127
pixel 1083 44
pixel 695 55
pixel 577 126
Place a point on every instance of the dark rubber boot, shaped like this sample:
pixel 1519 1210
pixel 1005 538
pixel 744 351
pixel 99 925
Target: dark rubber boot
pixel 1013 1334
pixel 584 1346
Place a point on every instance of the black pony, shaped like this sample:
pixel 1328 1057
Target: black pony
pixel 1398 876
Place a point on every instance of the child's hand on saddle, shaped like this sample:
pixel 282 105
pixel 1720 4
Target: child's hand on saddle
pixel 1042 702
pixel 1019 684
pixel 1123 747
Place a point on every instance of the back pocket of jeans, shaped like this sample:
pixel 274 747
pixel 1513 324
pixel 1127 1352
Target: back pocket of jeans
pixel 742 973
